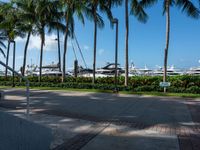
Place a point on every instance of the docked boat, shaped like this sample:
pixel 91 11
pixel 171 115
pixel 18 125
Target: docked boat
pixel 194 71
pixel 106 71
pixel 171 71
pixel 84 72
pixel 109 70
pixel 49 70
pixel 134 71
pixel 145 71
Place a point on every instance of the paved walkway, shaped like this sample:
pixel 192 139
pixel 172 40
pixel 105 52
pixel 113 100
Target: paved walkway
pixel 88 121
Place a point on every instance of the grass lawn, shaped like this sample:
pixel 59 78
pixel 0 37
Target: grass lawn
pixel 185 95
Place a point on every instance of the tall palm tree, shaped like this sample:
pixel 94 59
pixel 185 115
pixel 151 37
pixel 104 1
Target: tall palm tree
pixel 72 8
pixel 58 16
pixel 45 10
pixel 4 7
pixel 26 14
pixel 95 7
pixel 189 8
pixel 136 9
pixel 11 28
pixel 42 11
pixel 126 42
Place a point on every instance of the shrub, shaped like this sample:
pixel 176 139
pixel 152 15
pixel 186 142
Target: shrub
pixel 193 89
pixel 179 84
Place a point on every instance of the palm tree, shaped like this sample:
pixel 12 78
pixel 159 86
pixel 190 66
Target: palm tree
pixel 45 13
pixel 95 6
pixel 26 14
pixel 188 7
pixel 71 9
pixel 4 7
pixel 126 42
pixel 137 9
pixel 42 12
pixel 58 16
pixel 11 28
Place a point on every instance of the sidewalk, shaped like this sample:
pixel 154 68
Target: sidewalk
pixel 89 121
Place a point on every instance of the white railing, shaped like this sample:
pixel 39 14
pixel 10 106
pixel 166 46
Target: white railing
pixel 27 86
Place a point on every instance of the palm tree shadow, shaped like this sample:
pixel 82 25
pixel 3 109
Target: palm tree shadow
pixel 103 107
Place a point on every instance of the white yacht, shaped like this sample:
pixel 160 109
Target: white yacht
pixel 145 71
pixel 171 71
pixel 132 70
pixel 194 71
pixel 49 70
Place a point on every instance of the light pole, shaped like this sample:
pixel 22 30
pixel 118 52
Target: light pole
pixel 115 21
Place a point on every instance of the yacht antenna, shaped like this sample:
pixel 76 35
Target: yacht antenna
pixel 80 51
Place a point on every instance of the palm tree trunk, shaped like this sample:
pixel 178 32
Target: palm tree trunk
pixel 167 41
pixel 13 78
pixel 7 59
pixel 59 55
pixel 95 47
pixel 65 52
pixel 25 53
pixel 41 57
pixel 126 45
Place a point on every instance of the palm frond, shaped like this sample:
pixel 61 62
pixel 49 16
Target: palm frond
pixel 112 3
pixel 188 7
pixel 147 3
pixel 138 11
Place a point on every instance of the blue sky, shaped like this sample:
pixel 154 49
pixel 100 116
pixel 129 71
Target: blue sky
pixel 147 42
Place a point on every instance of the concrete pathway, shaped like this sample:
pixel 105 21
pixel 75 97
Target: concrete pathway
pixel 89 121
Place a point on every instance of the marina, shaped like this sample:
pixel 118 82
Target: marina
pixel 106 71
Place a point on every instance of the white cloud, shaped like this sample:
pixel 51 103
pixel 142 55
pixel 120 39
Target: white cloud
pixel 101 51
pixel 50 42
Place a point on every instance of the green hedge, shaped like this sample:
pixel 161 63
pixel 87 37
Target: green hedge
pixel 179 84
